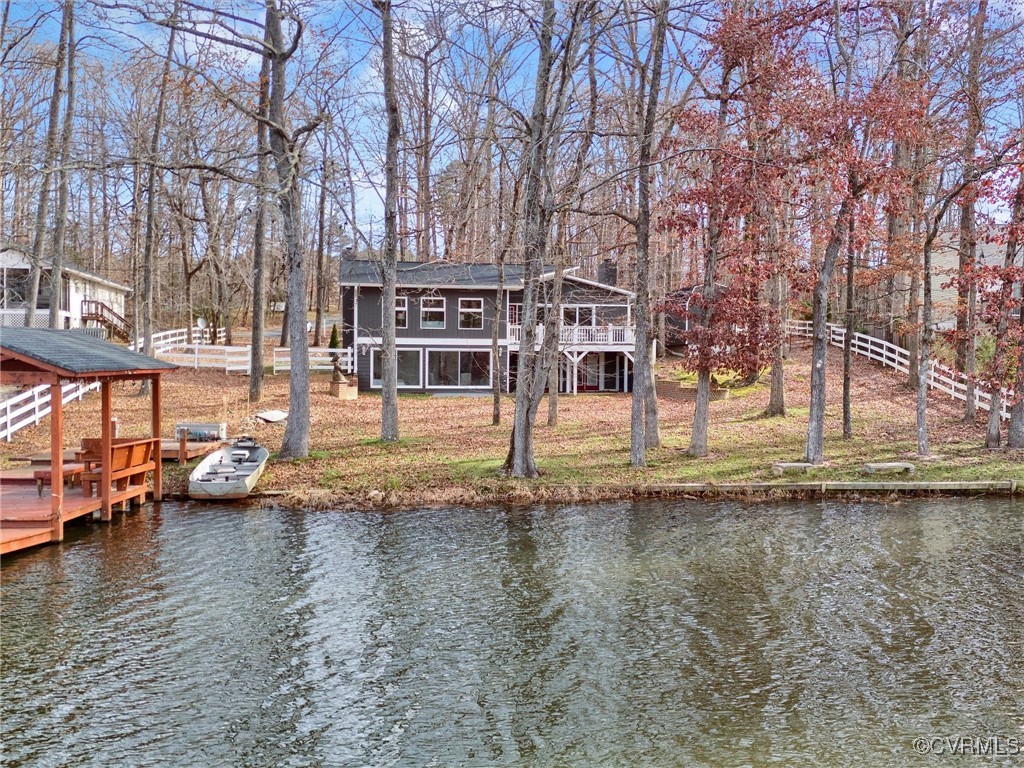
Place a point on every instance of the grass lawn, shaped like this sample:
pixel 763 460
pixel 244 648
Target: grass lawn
pixel 450 453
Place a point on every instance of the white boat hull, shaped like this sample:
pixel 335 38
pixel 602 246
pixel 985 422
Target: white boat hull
pixel 228 473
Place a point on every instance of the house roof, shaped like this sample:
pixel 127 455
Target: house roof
pixel 446 274
pixel 432 274
pixel 71 269
pixel 71 355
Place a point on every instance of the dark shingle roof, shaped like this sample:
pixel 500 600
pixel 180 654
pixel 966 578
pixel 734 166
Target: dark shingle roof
pixel 433 274
pixel 76 353
pixel 70 267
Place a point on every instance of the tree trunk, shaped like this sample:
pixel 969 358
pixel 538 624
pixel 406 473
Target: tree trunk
pixel 57 272
pixel 50 156
pixel 389 356
pixel 520 460
pixel 815 449
pixel 927 333
pixel 1003 346
pixel 320 242
pixel 149 248
pixel 699 435
pixel 287 158
pixel 499 295
pixel 966 353
pixel 777 396
pixel 644 432
pixel 259 283
pixel 848 337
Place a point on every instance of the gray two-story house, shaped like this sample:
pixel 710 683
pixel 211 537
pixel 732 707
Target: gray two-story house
pixel 444 316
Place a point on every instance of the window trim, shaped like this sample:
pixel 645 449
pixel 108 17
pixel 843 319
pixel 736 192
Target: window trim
pixel 405 308
pixel 419 367
pixel 443 310
pixel 459 351
pixel 508 313
pixel 479 312
pixel 575 308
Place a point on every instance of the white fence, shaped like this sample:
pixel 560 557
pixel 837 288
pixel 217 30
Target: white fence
pixel 167 340
pixel 29 407
pixel 320 359
pixel 228 359
pixel 889 355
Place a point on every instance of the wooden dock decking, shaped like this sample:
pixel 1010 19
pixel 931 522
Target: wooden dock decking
pixel 170 450
pixel 25 517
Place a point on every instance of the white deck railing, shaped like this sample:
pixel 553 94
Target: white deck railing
pixel 582 335
pixel 320 359
pixel 940 377
pixel 29 407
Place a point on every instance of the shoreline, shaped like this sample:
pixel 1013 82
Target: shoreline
pixel 516 495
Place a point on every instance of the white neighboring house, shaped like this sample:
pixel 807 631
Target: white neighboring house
pixel 88 300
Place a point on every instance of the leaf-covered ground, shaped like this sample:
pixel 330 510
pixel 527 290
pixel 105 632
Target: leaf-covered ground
pixel 450 453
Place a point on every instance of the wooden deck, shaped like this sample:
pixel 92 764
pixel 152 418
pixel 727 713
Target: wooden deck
pixel 25 517
pixel 170 450
pixel 70 454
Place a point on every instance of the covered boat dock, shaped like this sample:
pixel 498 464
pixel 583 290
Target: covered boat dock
pixel 116 468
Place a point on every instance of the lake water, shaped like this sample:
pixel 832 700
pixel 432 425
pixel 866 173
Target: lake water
pixel 648 634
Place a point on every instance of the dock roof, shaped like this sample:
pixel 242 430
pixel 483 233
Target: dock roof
pixel 70 355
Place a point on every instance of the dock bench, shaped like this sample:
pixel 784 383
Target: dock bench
pixel 130 461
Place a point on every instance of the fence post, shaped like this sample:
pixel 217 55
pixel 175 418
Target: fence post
pixel 7 407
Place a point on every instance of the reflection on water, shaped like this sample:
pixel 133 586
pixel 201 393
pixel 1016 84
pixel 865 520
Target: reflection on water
pixel 668 634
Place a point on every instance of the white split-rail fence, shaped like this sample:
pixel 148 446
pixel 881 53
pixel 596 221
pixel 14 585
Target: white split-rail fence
pixel 940 377
pixel 29 407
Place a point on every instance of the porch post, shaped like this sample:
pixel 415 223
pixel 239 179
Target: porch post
pixel 106 451
pixel 56 463
pixel 158 469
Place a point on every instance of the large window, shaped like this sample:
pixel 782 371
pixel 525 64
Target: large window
pixel 471 314
pixel 578 316
pixel 401 312
pixel 431 313
pixel 408 368
pixel 458 368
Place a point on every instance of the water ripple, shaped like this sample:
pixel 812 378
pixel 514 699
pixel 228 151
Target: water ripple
pixel 669 634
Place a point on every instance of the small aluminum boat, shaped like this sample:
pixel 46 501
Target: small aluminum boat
pixel 229 473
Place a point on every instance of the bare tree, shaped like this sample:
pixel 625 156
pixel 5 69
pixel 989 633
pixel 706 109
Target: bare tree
pixel 644 420
pixel 63 176
pixel 43 207
pixel 389 266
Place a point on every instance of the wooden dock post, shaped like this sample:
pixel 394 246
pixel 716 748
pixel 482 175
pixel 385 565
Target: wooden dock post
pixel 56 463
pixel 158 473
pixel 106 452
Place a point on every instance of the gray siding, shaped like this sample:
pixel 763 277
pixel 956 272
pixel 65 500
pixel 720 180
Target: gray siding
pixel 370 314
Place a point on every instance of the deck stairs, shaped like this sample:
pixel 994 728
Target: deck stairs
pixel 103 314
